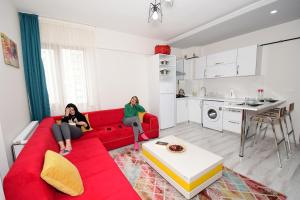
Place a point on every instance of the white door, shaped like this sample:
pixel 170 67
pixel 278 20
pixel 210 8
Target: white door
pixel 167 110
pixel 182 110
pixel 199 67
pixel 246 61
pixel 195 110
pixel 188 69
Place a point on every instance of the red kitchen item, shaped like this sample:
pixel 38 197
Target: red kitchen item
pixel 162 49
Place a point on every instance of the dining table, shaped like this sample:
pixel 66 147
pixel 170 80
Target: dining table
pixel 250 110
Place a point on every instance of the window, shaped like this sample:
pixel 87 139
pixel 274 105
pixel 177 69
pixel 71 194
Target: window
pixel 68 54
pixel 64 67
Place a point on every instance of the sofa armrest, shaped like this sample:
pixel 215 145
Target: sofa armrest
pixel 152 121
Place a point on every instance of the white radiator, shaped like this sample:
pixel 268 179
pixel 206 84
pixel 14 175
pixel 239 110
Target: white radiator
pixel 22 138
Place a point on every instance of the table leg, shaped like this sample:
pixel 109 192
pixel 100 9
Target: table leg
pixel 243 133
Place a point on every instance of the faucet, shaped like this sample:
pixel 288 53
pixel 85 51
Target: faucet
pixel 203 88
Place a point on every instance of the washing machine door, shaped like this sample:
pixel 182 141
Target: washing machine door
pixel 213 114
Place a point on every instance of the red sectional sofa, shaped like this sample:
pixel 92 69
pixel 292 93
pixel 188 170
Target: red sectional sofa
pixel 101 177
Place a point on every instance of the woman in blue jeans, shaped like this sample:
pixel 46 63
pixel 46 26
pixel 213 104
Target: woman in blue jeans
pixel 70 128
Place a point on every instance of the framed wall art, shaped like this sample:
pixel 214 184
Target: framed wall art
pixel 10 51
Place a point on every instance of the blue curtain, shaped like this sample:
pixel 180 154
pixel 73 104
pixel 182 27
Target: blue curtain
pixel 33 67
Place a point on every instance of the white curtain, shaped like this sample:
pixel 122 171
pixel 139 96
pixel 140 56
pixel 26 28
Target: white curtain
pixel 68 53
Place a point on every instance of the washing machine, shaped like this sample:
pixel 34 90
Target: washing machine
pixel 213 114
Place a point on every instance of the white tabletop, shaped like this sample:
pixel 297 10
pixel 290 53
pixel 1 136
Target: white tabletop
pixel 265 106
pixel 190 164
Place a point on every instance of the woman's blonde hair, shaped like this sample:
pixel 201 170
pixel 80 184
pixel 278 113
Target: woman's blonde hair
pixel 136 98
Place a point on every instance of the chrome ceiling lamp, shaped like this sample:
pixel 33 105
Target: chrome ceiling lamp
pixel 155 12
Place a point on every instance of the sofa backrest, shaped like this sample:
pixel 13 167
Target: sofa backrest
pixel 102 117
pixel 23 179
pixel 106 117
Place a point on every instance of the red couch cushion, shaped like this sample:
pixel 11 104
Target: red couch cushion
pixel 23 179
pixel 105 117
pixel 101 177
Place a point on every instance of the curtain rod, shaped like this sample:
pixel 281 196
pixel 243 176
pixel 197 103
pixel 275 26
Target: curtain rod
pixel 279 41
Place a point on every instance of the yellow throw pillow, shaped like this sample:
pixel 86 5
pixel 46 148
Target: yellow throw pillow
pixel 61 174
pixel 141 116
pixel 83 129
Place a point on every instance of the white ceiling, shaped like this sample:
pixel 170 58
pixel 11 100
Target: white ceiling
pixel 131 16
pixel 188 23
pixel 244 22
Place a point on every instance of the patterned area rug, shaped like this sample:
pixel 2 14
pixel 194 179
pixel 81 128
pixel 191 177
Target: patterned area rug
pixel 151 186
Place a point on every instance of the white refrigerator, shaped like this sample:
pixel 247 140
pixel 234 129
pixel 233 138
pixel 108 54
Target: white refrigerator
pixel 167 108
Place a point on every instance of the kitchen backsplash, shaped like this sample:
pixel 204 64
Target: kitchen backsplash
pixel 221 87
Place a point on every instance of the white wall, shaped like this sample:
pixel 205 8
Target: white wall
pixel 4 163
pixel 14 111
pixel 1 192
pixel 280 67
pixel 123 61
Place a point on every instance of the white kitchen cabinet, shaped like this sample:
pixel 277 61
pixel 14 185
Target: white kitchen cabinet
pixel 167 108
pixel 210 71
pixel 188 69
pixel 232 120
pixel 180 69
pixel 195 110
pixel 224 57
pixel 226 70
pixel 182 110
pixel 222 70
pixel 246 61
pixel 199 67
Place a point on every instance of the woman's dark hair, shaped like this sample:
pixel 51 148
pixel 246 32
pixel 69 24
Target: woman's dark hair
pixel 71 105
pixel 137 99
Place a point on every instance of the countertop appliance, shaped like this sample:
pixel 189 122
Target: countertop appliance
pixel 213 115
pixel 180 94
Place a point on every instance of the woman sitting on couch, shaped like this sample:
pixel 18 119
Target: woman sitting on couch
pixel 70 128
pixel 131 119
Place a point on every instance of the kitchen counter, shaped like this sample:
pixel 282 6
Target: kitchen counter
pixel 225 99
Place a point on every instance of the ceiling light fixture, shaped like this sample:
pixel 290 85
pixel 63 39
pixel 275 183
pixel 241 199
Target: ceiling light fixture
pixel 273 12
pixel 155 12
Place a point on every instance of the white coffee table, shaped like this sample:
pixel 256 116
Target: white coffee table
pixel 190 171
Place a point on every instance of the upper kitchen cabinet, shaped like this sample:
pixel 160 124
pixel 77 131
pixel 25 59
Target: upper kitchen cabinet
pixel 199 67
pixel 188 69
pixel 221 64
pixel 246 61
pixel 221 70
pixel 222 58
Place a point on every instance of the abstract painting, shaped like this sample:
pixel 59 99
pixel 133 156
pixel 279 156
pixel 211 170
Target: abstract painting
pixel 10 51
